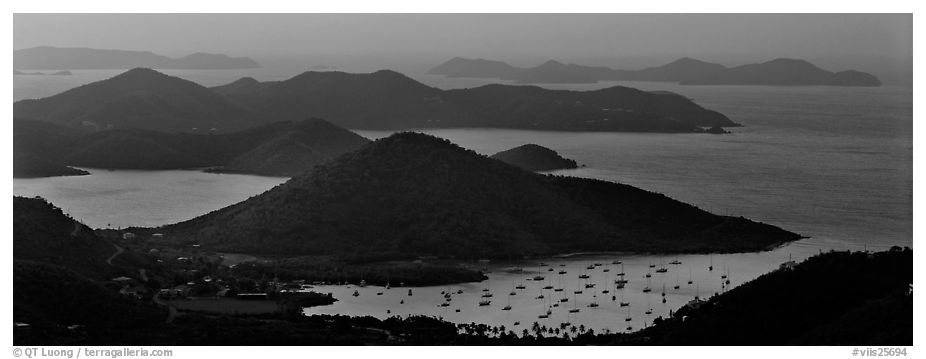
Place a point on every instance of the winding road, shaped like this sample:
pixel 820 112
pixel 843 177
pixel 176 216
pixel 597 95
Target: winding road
pixel 119 251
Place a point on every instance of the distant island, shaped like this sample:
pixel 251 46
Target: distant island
pixel 48 57
pixel 383 100
pixel 282 149
pixel 144 99
pixel 388 100
pixel 56 73
pixel 534 158
pixel 685 71
pixel 411 195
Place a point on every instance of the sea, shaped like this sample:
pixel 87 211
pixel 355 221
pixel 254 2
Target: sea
pixel 833 164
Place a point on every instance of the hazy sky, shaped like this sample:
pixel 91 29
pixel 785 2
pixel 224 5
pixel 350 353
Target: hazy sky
pixel 840 41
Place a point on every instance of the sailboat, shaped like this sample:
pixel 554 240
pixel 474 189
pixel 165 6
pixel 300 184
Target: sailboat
pixel 521 284
pixel 546 313
pixel 585 275
pixel 593 304
pixel 560 288
pixel 676 262
pixel 575 306
pixel 649 309
pixel 647 288
pixel 623 303
pixel 628 315
pixel 621 274
pixel 356 294
pixel 540 270
pixel 677 286
pixel 485 302
pixel 690 277
pixel 662 268
pixel 578 289
pixel 508 307
pixel 711 266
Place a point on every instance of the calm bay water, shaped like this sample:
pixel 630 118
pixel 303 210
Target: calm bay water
pixel 120 199
pixel 834 164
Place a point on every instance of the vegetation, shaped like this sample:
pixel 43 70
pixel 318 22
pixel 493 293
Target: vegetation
pixel 534 158
pixel 413 195
pixel 278 149
pixel 43 233
pixel 389 100
pixel 140 98
pixel 331 270
pixel 837 298
pixel 26 165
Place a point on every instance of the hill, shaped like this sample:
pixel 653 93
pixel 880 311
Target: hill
pixel 410 194
pixel 815 303
pixel 783 72
pixel 277 149
pixel 140 98
pixel 48 58
pixel 534 158
pixel 43 233
pixel 28 165
pixel 60 268
pixel 478 68
pixel 686 71
pixel 557 72
pixel 388 100
pixel 301 147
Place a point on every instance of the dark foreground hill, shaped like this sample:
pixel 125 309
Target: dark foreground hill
pixel 411 194
pixel 43 233
pixel 534 158
pixel 389 100
pixel 60 273
pixel 277 149
pixel 47 57
pixel 837 298
pixel 140 98
pixel 686 71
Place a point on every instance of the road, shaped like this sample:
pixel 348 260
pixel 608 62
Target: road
pixel 119 251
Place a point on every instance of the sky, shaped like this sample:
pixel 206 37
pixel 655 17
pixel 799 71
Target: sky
pixel 869 42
